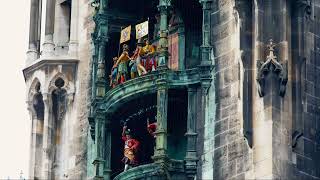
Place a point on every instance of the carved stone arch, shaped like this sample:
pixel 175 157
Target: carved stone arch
pixel 68 85
pixel 34 89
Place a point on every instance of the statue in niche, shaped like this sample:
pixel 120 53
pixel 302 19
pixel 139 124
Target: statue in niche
pixel 114 72
pixel 137 58
pixel 131 147
pixel 149 56
pixel 122 64
pixel 175 20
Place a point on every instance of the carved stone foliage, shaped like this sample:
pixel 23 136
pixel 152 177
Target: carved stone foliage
pixel 272 65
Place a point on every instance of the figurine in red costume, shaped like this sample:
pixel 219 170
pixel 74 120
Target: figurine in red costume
pixel 131 147
pixel 152 128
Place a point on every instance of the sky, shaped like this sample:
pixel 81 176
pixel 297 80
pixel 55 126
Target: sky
pixel 15 122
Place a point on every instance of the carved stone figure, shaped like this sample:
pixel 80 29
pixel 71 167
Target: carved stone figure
pixel 122 64
pixel 131 147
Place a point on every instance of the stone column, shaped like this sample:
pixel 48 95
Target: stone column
pixel 48 45
pixel 73 43
pixel 32 53
pixel 107 149
pixel 191 155
pixel 99 161
pixel 182 48
pixel 160 154
pixel 206 28
pixel 100 74
pixel 47 138
pixel 32 161
pixel 163 7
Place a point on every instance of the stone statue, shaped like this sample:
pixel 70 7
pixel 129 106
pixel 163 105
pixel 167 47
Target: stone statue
pixel 114 72
pixel 149 54
pixel 131 147
pixel 122 64
pixel 136 57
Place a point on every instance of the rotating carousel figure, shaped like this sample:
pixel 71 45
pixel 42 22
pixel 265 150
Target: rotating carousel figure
pixel 131 147
pixel 149 56
pixel 122 64
pixel 137 59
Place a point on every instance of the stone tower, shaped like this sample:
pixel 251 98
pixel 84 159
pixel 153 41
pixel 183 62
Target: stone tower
pixel 234 94
pixel 57 77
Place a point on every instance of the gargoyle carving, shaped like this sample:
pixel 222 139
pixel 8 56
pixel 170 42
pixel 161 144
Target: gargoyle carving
pixel 272 65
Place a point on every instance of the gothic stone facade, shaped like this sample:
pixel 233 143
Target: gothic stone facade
pixel 241 101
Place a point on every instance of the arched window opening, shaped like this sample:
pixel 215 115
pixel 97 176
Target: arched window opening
pixel 38 106
pixel 191 18
pixel 177 123
pixel 59 109
pixel 184 38
pixel 136 119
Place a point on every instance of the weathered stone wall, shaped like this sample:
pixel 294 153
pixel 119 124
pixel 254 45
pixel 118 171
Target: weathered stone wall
pixel 82 98
pixel 229 150
pixel 306 38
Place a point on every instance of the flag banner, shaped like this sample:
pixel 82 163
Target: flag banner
pixel 125 34
pixel 142 29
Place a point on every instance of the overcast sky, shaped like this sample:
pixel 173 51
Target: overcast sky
pixel 14 118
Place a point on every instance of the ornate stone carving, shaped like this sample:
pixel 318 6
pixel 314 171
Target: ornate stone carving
pixel 272 65
pixel 304 6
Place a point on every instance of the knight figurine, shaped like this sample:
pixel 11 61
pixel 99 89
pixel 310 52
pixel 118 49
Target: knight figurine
pixel 114 72
pixel 122 64
pixel 149 54
pixel 131 147
pixel 137 58
pixel 152 128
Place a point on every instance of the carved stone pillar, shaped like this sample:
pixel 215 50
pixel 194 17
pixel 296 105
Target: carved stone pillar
pixel 47 138
pixel 32 158
pixel 48 45
pixel 191 155
pixel 73 43
pixel 160 155
pixel 163 7
pixel 34 31
pixel 99 161
pixel 107 149
pixel 206 29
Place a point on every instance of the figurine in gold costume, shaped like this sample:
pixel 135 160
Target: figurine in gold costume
pixel 122 64
pixel 149 54
pixel 136 57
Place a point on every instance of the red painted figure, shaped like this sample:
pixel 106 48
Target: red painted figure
pixel 152 128
pixel 131 147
